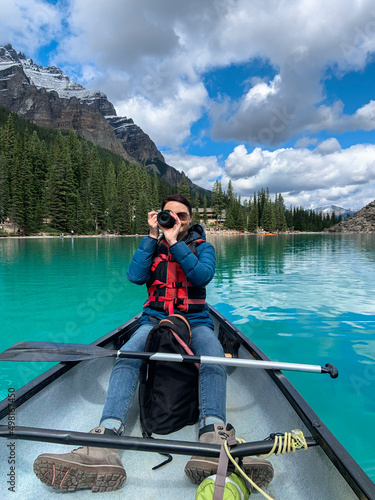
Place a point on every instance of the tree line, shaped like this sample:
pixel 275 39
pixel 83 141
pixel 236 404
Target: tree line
pixel 63 183
pixel 261 212
pixel 56 182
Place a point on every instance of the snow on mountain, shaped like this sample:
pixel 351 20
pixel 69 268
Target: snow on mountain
pixel 50 77
pixel 54 79
pixel 329 209
pixel 26 88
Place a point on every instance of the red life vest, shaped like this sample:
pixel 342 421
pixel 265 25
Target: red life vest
pixel 168 286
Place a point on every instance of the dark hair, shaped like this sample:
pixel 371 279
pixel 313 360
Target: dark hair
pixel 180 199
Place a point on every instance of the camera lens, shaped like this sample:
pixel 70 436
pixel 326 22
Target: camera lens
pixel 165 219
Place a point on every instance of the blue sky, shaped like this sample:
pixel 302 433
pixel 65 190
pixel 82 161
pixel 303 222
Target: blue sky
pixel 262 93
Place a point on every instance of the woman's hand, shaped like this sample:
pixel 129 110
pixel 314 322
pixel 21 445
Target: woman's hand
pixel 153 225
pixel 171 233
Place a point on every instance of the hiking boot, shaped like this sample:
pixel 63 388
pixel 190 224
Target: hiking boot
pixel 198 468
pixel 100 469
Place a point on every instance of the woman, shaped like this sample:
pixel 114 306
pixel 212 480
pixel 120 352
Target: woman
pixel 176 268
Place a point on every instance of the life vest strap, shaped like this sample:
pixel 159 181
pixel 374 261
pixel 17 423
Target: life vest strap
pixel 168 286
pixel 175 284
pixel 160 258
pixel 171 303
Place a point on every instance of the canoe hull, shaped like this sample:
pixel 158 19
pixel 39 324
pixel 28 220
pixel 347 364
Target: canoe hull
pixel 258 402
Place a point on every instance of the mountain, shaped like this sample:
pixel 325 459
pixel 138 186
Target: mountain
pixel 361 222
pixel 47 97
pixel 329 209
pixel 22 91
pixel 133 139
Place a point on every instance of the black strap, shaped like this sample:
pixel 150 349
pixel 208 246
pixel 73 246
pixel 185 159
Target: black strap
pixel 168 455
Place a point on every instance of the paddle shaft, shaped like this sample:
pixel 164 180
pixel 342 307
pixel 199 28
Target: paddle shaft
pixel 212 360
pixel 135 443
pixel 49 351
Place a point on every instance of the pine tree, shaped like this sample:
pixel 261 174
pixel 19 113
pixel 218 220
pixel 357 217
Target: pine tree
pixel 52 199
pixel 38 154
pixel 268 219
pixel 61 189
pixel 141 224
pixel 230 193
pixel 146 186
pixel 231 216
pixel 96 191
pixel 125 208
pixel 2 186
pixel 80 161
pixel 240 222
pixel 183 187
pixel 9 152
pixel 217 200
pixel 205 217
pixel 156 201
pixel 71 198
pixel 231 209
pixel 253 216
pixel 261 202
pixel 132 188
pixel 196 215
pixel 76 158
pixel 111 202
pixel 280 213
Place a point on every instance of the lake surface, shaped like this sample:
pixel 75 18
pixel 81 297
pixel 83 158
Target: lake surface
pixel 301 298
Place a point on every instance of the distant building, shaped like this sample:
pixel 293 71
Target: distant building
pixel 212 218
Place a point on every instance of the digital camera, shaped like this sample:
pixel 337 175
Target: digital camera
pixel 165 219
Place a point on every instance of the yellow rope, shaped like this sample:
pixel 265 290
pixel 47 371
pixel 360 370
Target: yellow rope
pixel 288 443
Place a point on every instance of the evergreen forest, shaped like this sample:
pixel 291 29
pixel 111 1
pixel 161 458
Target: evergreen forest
pixel 58 182
pixel 262 213
pixel 55 182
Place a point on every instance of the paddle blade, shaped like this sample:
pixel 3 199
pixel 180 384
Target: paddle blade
pixel 51 351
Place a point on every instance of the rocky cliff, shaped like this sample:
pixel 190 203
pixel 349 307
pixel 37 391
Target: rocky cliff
pixel 134 140
pixel 47 97
pixel 361 222
pixel 44 106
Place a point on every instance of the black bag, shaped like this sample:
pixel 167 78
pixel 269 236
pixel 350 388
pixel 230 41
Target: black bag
pixel 168 391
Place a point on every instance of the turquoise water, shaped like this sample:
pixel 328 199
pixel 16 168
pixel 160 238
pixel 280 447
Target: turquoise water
pixel 301 298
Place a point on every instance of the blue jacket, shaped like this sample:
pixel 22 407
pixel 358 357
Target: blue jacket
pixel 199 270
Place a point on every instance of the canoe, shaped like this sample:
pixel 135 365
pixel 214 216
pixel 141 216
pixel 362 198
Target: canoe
pixel 69 397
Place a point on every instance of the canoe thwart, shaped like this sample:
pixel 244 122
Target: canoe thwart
pixel 136 443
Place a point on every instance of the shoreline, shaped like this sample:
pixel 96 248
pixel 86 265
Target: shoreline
pixel 223 232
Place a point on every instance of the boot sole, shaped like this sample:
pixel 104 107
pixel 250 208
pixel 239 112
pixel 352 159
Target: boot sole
pixel 70 476
pixel 198 469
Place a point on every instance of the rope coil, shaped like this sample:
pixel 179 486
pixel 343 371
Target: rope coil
pixel 288 442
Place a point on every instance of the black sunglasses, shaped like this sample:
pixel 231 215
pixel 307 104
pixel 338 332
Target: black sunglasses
pixel 183 216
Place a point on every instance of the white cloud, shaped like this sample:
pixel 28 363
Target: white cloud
pixel 150 57
pixel 29 24
pixel 364 118
pixel 326 175
pixel 304 142
pixel 145 51
pixel 241 164
pixel 202 170
pixel 168 122
pixel 329 146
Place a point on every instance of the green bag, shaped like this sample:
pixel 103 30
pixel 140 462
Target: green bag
pixel 235 488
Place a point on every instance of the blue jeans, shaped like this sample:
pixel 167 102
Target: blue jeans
pixel 125 376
